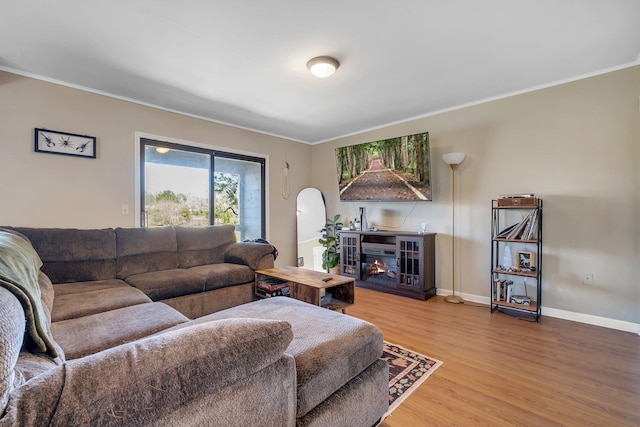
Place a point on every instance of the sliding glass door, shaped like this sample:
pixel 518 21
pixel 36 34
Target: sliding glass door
pixel 192 186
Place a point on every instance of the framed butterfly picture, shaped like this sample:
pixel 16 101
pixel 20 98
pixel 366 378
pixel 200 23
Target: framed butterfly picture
pixel 68 144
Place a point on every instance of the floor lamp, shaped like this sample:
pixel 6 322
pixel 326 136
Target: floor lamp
pixel 453 160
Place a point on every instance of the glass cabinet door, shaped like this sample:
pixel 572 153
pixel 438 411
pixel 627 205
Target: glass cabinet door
pixel 350 254
pixel 410 255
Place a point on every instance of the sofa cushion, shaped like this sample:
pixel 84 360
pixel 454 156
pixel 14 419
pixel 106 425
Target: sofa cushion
pixel 181 379
pixel 225 274
pixel 251 254
pixel 141 250
pixel 94 297
pixel 62 289
pixel 330 348
pixel 203 245
pixel 79 271
pixel 35 402
pixel 159 285
pixel 91 334
pixel 361 402
pixel 73 255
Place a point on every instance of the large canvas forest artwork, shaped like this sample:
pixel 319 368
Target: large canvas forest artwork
pixel 389 170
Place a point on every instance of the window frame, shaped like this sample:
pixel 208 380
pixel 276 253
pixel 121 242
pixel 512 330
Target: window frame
pixel 144 139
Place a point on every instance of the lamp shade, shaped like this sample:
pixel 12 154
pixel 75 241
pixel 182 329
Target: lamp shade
pixel 453 158
pixel 323 66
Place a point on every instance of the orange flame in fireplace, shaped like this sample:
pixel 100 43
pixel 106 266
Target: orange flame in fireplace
pixel 377 267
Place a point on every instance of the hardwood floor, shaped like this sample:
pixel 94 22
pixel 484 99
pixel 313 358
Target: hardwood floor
pixel 502 371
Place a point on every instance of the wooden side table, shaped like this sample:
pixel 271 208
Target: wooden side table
pixel 308 286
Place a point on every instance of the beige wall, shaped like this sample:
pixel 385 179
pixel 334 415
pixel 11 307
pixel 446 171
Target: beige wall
pixel 575 145
pixel 44 190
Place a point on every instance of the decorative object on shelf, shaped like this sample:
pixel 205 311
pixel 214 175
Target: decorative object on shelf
pixel 323 66
pixel 362 215
pixel 527 199
pixel 68 144
pixel 507 260
pixel 331 241
pixel 526 259
pixel 453 160
pixel 520 299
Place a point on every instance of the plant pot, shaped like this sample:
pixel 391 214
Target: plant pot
pixel 335 270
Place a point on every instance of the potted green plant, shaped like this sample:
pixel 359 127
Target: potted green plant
pixel 330 240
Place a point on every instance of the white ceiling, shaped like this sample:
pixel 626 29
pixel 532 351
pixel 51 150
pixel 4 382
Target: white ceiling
pixel 243 62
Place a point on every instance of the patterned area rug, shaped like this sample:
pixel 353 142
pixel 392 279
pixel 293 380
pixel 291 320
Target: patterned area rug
pixel 407 370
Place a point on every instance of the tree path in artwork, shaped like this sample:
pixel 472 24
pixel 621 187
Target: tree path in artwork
pixel 380 183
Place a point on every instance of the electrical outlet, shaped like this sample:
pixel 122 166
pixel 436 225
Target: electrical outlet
pixel 125 210
pixel 587 279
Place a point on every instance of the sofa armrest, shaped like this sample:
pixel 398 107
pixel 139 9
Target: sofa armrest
pixel 147 380
pixel 255 255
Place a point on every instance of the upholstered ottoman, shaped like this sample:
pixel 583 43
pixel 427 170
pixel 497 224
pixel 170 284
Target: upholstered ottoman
pixel 341 380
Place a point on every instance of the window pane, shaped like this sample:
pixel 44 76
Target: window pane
pixel 179 186
pixel 239 196
pixel 176 187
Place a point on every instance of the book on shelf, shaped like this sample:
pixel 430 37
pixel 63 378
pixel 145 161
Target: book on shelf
pixel 503 290
pixel 523 230
pixel 272 284
pixel 504 233
pixel 527 228
pixel 533 229
pixel 509 291
pixel 275 293
pixel 517 231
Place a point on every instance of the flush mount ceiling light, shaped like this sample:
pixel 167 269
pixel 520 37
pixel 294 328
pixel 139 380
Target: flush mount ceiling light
pixel 323 66
pixel 162 150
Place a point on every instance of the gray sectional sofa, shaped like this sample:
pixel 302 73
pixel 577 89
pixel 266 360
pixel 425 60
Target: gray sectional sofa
pixel 196 270
pixel 104 348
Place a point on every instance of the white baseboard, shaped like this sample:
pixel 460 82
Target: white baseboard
pixel 621 325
